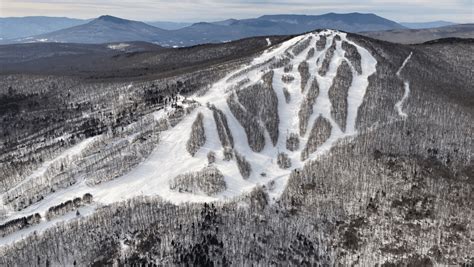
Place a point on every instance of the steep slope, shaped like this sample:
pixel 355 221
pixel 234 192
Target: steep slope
pixel 106 29
pixel 326 148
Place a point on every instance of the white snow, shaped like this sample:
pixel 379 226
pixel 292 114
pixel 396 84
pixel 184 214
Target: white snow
pixel 269 43
pixel 67 154
pixel 38 228
pixel 120 46
pixel 170 157
pixel 403 64
pixel 265 161
pixel 406 92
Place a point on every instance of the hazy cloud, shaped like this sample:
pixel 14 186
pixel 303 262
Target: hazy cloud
pixel 207 10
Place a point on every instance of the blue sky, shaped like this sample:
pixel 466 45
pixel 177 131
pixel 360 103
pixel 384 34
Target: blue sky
pixel 208 10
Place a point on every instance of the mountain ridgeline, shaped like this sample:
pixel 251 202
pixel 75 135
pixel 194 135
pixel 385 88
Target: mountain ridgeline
pixel 416 36
pixel 107 29
pixel 325 148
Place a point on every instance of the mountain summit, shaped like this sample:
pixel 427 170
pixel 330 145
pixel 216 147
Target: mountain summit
pixel 112 19
pixel 106 29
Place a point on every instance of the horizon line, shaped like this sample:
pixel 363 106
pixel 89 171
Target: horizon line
pixel 273 14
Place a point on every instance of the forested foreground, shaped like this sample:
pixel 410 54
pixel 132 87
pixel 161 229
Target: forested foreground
pixel 397 192
pixel 359 205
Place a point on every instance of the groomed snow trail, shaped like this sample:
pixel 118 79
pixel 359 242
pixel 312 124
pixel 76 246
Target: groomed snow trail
pixel 269 42
pixel 265 162
pixel 406 92
pixel 170 158
pixel 67 155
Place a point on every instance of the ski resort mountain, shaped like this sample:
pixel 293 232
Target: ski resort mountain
pixel 325 148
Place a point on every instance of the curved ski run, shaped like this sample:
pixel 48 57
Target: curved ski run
pixel 406 92
pixel 289 106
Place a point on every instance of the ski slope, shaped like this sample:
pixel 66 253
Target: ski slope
pixel 406 87
pixel 170 158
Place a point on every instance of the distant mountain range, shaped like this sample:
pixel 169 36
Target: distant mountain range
pixel 426 25
pixel 17 27
pixel 169 25
pixel 414 36
pixel 112 29
pixel 104 29
pixel 108 29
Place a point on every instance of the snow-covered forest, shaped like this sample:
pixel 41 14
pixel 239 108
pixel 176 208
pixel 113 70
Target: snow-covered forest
pixel 325 148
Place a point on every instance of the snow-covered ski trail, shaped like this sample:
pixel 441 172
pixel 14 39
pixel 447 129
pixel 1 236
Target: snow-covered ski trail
pixel 406 87
pixel 265 161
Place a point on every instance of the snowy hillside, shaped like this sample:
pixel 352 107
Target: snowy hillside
pixel 292 128
pixel 311 87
